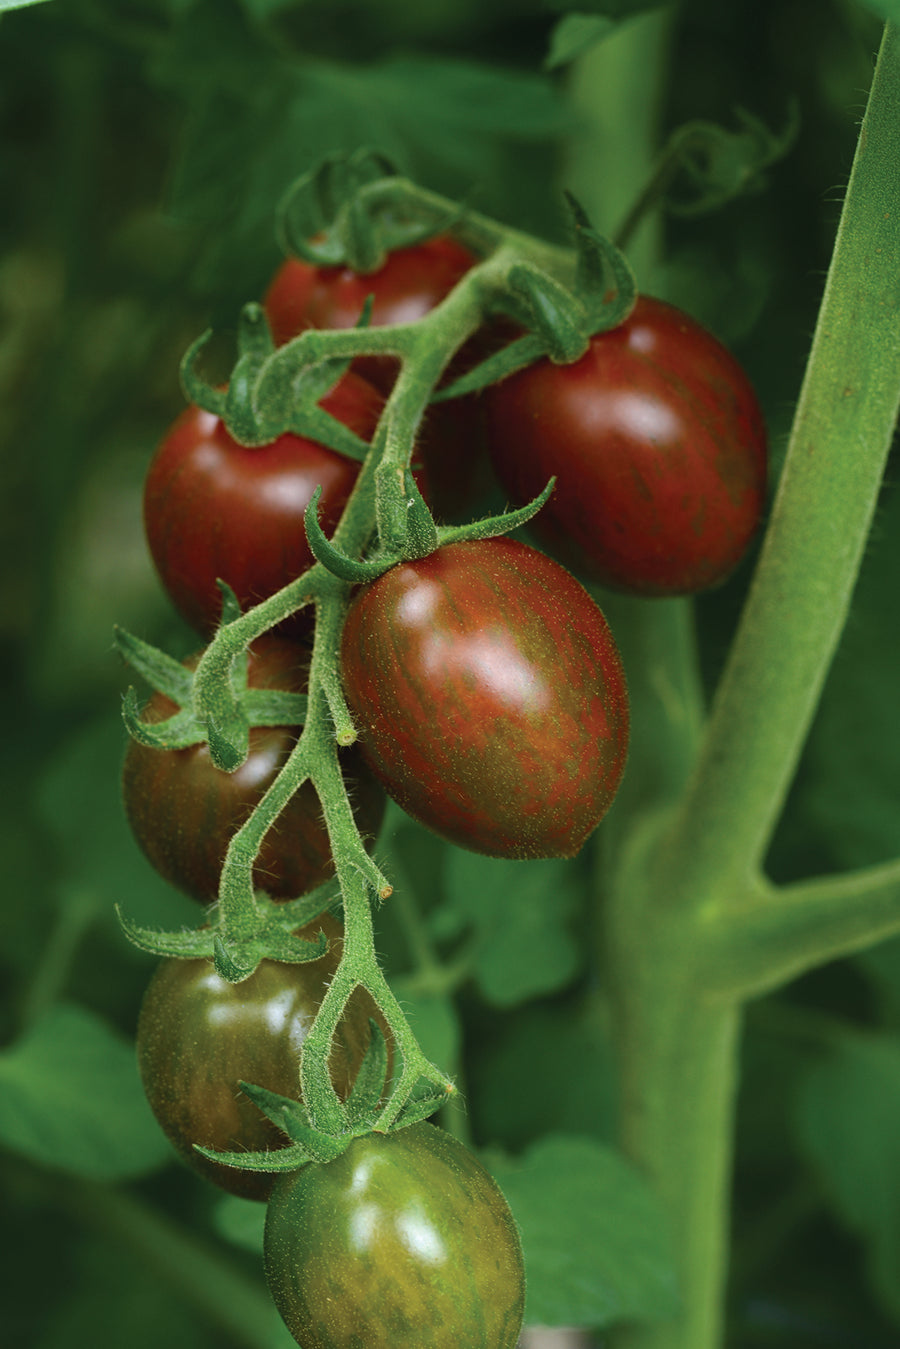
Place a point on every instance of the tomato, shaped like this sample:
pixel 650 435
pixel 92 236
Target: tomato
pixel 402 1240
pixel 489 697
pixel 659 449
pixel 183 810
pixel 411 282
pixel 214 508
pixel 198 1036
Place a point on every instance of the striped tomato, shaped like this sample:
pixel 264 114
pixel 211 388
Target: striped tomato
pixel 403 1240
pixel 489 697
pixel 658 446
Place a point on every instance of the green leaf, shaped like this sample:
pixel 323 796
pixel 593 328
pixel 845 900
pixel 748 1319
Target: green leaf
pixel 71 1098
pixel 545 1068
pixel 6 5
pixel 522 913
pixel 848 1124
pixel 592 1233
pixel 574 34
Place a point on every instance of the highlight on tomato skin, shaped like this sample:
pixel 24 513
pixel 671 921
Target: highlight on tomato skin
pixel 405 1239
pixel 658 445
pixel 198 1036
pixel 183 811
pixel 214 509
pixel 489 697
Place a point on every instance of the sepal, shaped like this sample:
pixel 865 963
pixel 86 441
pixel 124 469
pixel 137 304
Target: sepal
pixel 194 387
pixel 179 731
pixel 604 281
pixel 422 1107
pixel 272 391
pixel 275 707
pixel 181 945
pixel 338 563
pixel 352 210
pixel 306 216
pixel 161 671
pixel 231 607
pixel 362 1103
pixel 278 1161
pixel 551 311
pixel 292 1118
pixel 421 531
pixel 228 746
pixel 515 356
pixel 235 961
pixel 495 526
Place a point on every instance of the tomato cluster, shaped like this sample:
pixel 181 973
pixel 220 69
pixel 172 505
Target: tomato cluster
pixel 490 702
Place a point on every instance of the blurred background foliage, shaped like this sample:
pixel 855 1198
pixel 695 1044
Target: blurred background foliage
pixel 143 145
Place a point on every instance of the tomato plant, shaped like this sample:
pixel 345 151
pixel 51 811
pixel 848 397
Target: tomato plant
pixel 489 696
pixel 198 1036
pixel 183 810
pixel 403 1239
pixel 659 450
pixel 614 1037
pixel 214 509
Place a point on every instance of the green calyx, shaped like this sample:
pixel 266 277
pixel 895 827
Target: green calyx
pixel 560 319
pixel 273 390
pixel 247 707
pixel 237 957
pixel 329 216
pixel 359 1115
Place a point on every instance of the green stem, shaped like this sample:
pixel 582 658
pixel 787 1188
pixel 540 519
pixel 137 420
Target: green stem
pixel 801 592
pixel 680 887
pixel 779 934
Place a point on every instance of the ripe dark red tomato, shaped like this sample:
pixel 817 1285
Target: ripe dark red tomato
pixel 659 449
pixel 214 508
pixel 489 697
pixel 411 282
pixel 198 1036
pixel 183 810
pixel 402 1240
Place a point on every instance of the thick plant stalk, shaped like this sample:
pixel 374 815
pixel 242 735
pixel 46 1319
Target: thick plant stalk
pixel 677 1024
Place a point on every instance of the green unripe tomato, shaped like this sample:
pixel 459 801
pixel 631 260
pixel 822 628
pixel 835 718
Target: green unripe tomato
pixel 403 1240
